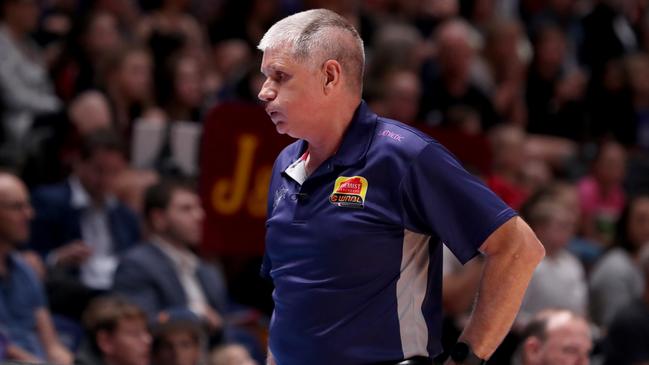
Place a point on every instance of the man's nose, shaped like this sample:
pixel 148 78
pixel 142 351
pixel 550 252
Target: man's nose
pixel 266 93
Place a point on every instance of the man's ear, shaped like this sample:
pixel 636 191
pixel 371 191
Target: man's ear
pixel 332 75
pixel 532 350
pixel 105 343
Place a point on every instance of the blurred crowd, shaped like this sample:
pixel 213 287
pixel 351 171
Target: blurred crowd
pixel 546 100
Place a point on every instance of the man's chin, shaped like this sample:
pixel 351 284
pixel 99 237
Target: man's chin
pixel 280 127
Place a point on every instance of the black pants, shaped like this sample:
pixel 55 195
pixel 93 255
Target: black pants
pixel 416 360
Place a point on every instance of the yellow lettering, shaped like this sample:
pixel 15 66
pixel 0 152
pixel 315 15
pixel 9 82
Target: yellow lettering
pixel 258 200
pixel 228 194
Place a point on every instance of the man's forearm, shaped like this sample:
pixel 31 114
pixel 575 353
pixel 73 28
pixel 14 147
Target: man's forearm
pixel 505 277
pixel 14 352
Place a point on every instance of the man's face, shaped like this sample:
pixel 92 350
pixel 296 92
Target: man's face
pixel 135 76
pixel 182 221
pixel 15 210
pixel 293 92
pixel 567 344
pixel 98 173
pixel 129 344
pixel 178 347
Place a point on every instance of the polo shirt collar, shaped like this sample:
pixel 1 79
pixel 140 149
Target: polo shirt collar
pixel 356 140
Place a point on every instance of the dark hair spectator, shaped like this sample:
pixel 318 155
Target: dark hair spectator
pixel 179 341
pixel 128 80
pixel 83 257
pixel 159 195
pixel 181 91
pixel 117 333
pixel 92 39
pixel 555 92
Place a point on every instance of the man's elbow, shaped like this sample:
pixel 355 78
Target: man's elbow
pixel 533 249
pixel 517 241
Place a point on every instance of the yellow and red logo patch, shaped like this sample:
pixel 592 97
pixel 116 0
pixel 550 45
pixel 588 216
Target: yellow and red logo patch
pixel 349 192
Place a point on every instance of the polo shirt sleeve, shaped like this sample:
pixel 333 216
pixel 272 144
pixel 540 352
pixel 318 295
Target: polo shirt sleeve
pixel 439 197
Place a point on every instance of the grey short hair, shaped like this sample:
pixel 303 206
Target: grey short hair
pixel 319 35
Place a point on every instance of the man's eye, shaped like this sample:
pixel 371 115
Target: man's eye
pixel 280 76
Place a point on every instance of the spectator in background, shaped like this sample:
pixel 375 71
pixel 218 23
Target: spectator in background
pixel 504 64
pixel 85 114
pixel 398 96
pixel 170 30
pixel 165 275
pixel 179 340
pixel 556 337
pixel 448 83
pixel 559 281
pixel 171 20
pixel 93 38
pixel 554 92
pixel 601 194
pixel 24 317
pixel 81 228
pixel 612 101
pixel 244 19
pixel 25 88
pixel 129 86
pixel 117 334
pixel 182 94
pixel 508 152
pixel 536 174
pixel 616 279
pixel 232 59
pixel 127 13
pixel 565 14
pixel 608 35
pixel 397 47
pixel 627 342
pixel 479 12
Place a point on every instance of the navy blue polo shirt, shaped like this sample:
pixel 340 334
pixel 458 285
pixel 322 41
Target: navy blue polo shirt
pixel 355 249
pixel 21 294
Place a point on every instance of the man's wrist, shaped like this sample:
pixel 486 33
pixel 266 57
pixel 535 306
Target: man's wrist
pixel 462 354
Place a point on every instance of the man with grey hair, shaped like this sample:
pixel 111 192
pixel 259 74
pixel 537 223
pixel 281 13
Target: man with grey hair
pixel 358 210
pixel 556 337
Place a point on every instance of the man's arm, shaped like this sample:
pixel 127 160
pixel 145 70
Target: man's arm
pixel 14 352
pixel 56 352
pixel 512 253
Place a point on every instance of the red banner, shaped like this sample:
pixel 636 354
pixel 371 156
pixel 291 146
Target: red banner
pixel 237 154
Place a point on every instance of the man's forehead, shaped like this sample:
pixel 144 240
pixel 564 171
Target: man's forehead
pixel 281 59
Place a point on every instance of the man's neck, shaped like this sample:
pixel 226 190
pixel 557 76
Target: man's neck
pixel 328 140
pixel 164 239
